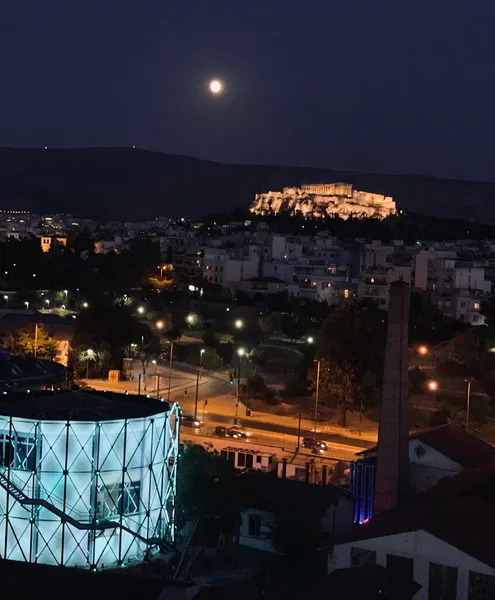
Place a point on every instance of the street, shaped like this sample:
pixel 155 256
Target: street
pixel 217 404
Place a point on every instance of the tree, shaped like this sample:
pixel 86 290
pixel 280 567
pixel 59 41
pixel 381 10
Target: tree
pixel 206 491
pixel 294 326
pixel 209 338
pixel 351 350
pixel 33 341
pixel 106 327
pixel 211 360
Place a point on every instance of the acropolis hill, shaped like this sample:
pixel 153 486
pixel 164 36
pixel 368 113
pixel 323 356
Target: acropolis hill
pixel 324 199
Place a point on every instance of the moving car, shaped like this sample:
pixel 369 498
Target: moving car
pixel 232 432
pixel 316 445
pixel 189 421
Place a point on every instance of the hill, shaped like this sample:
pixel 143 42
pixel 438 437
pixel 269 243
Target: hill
pixel 124 183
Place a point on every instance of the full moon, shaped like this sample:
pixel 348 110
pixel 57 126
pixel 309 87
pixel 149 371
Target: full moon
pixel 215 86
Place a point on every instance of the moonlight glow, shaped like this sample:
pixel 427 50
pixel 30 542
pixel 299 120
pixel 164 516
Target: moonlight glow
pixel 215 86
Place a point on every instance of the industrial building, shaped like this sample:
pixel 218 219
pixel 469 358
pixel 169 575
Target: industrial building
pixel 87 479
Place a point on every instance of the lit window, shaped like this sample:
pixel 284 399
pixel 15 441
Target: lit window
pixel 346 293
pixel 112 502
pixel 18 452
pixel 476 306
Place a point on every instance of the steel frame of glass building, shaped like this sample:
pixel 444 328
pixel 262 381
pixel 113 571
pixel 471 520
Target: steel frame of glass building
pixel 88 494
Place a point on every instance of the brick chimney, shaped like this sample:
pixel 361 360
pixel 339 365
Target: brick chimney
pixel 392 462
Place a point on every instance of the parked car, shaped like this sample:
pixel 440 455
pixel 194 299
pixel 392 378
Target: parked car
pixel 316 445
pixel 189 421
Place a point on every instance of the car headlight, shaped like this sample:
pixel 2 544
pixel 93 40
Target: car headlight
pixel 322 451
pixel 248 434
pixel 196 423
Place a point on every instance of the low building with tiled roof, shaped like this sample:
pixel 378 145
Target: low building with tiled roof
pixel 443 538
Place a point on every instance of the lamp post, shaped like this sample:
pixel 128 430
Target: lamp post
pixel 170 368
pixel 198 377
pixel 317 392
pixel 35 339
pixel 240 353
pixel 89 354
pixel 468 401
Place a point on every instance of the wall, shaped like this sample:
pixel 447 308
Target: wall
pixel 423 548
pixel 263 542
pixel 426 469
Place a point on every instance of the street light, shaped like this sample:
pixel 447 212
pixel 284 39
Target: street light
pixel 468 400
pixel 423 350
pixel 140 310
pixel 239 324
pixel 192 319
pixel 198 377
pixel 26 304
pixel 317 392
pixel 89 355
pixel 160 324
pixel 85 305
pixel 47 302
pixel 310 339
pixel 432 385
pixel 6 298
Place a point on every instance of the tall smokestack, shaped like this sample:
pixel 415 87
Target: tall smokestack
pixel 392 463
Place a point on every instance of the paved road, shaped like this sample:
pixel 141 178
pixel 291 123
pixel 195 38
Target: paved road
pixel 261 426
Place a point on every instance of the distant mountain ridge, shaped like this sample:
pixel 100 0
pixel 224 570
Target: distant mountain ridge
pixel 128 184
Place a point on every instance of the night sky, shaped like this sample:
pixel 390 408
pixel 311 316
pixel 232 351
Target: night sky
pixel 387 86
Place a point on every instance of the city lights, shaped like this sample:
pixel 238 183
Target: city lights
pixel 241 351
pixel 140 310
pixel 432 385
pixel 238 323
pixel 423 350
pixel 160 324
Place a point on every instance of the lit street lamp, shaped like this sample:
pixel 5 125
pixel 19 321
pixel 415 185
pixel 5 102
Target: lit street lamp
pixel 85 305
pixel 6 298
pixel 160 324
pixel 432 385
pixel 140 310
pixel 89 355
pixel 26 304
pixel 47 302
pixel 423 350
pixel 239 324
pixel 198 377
pixel 310 339
pixel 468 400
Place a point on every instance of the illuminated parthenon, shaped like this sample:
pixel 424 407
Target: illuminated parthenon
pixel 321 200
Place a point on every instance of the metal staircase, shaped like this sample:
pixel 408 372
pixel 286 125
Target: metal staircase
pixel 19 496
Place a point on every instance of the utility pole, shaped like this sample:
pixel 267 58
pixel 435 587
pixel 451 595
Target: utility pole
pixel 317 393
pixel 468 402
pixel 170 369
pixel 197 394
pixel 35 339
pixel 299 433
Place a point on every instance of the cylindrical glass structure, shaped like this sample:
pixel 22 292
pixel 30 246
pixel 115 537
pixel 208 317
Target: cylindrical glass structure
pixel 87 493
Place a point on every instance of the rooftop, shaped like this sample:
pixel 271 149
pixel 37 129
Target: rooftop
pixel 79 405
pixel 454 442
pixel 459 510
pixel 266 491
